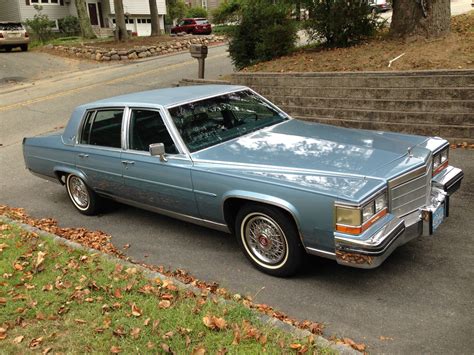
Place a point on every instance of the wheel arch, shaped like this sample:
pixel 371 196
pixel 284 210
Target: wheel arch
pixel 234 200
pixel 62 171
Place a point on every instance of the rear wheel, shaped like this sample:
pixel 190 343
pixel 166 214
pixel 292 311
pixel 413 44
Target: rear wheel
pixel 82 197
pixel 24 47
pixel 8 49
pixel 269 239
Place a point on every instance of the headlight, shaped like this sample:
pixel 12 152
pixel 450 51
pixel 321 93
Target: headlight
pixel 355 220
pixel 440 161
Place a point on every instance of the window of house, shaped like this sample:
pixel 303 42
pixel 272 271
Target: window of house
pixel 148 20
pixel 45 1
pixel 103 128
pixel 147 127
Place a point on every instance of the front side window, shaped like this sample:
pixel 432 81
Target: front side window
pixel 103 128
pixel 208 122
pixel 147 127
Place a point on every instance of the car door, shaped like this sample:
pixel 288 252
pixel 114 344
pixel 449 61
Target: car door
pixel 149 180
pixel 99 150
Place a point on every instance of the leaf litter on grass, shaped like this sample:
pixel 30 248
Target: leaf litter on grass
pixel 73 305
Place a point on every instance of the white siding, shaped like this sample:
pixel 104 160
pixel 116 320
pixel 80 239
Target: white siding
pixel 139 7
pixel 54 11
pixel 9 11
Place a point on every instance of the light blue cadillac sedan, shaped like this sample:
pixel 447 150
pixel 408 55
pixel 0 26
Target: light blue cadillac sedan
pixel 226 158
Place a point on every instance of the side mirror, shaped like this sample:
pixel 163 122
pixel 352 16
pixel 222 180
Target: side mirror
pixel 158 149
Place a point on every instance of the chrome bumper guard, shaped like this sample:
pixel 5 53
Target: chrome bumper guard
pixel 372 251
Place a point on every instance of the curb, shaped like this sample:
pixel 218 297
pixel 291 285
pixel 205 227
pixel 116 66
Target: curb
pixel 265 319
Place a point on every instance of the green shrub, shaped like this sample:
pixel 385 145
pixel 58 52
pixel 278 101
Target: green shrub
pixel 265 31
pixel 40 26
pixel 69 26
pixel 176 10
pixel 227 11
pixel 196 12
pixel 341 22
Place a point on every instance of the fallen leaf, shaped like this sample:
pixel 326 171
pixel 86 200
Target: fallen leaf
pixel 136 311
pixel 46 351
pixel 34 343
pixel 40 260
pixel 198 351
pixel 3 333
pixel 382 338
pixel 117 293
pixel 18 339
pixel 3 246
pixel 146 322
pixel 166 348
pixel 263 339
pixel 295 346
pixel 80 321
pixel 115 349
pixel 236 340
pixel 126 246
pixel 222 351
pixel 119 332
pixel 48 287
pixel 135 332
pixel 150 345
pixel 3 301
pixel 18 267
pixel 213 322
pixel 163 304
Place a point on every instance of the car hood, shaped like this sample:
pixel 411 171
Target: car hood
pixel 303 153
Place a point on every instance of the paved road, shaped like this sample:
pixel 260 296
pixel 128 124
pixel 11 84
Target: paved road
pixel 24 67
pixel 420 297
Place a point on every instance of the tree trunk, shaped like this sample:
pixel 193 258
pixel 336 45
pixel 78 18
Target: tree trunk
pixel 427 18
pixel 155 19
pixel 84 21
pixel 120 25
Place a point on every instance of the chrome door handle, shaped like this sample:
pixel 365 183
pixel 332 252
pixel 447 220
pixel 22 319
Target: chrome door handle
pixel 82 155
pixel 128 162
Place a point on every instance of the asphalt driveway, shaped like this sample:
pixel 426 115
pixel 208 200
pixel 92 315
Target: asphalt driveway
pixel 420 300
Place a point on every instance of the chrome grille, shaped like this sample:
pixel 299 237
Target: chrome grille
pixel 410 195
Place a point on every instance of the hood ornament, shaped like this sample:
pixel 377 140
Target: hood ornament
pixel 410 152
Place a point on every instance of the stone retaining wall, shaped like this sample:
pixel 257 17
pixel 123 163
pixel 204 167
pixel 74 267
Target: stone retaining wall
pixel 110 54
pixel 434 103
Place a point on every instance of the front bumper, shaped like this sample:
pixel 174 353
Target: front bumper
pixel 370 252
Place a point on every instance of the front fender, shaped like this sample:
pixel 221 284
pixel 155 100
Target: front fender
pixel 263 198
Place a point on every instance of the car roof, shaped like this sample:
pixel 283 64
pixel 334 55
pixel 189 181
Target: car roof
pixel 167 97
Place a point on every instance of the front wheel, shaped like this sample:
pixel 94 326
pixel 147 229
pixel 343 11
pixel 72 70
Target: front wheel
pixel 82 197
pixel 269 239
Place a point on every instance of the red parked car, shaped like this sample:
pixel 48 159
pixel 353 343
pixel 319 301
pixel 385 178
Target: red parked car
pixel 193 25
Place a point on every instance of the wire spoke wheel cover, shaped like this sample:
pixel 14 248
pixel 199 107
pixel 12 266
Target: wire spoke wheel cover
pixel 78 192
pixel 264 239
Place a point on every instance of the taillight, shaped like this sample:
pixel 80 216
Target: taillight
pixel 1 35
pixel 26 34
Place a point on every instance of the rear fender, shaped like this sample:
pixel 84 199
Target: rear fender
pixel 60 170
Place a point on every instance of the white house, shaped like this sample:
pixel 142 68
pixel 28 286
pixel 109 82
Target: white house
pixel 101 12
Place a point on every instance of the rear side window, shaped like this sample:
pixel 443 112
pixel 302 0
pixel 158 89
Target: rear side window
pixel 103 128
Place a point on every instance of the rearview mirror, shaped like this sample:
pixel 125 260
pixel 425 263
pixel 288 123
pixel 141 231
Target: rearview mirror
pixel 158 149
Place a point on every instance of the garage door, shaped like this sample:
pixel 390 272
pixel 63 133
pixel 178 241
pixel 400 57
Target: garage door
pixel 143 26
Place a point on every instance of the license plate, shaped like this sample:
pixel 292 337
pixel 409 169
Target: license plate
pixel 438 216
pixel 14 35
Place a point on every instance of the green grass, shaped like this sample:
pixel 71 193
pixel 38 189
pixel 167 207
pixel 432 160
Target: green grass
pixel 79 302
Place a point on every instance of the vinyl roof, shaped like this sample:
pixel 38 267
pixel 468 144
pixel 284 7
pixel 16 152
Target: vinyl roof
pixel 167 97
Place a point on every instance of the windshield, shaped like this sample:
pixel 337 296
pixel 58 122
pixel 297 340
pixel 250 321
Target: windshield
pixel 208 122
